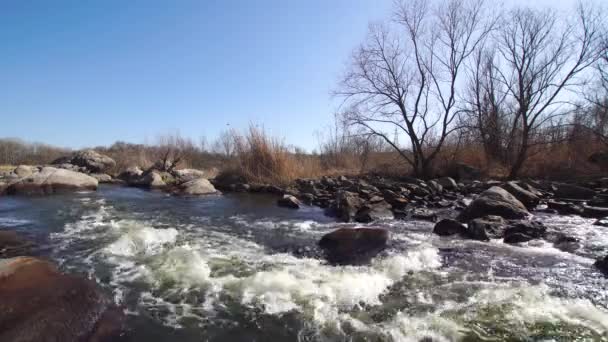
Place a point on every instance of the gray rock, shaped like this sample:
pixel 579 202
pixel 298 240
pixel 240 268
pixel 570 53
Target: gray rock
pixel 563 190
pixel 494 201
pixel 187 175
pixel 353 246
pixel 374 211
pixel 529 199
pixel 447 183
pixel 602 265
pixel 25 170
pixel 102 177
pixel 289 201
pixel 487 227
pixel 52 180
pixel 200 186
pixel 93 161
pixel 424 214
pixel 131 175
pixel 447 227
pixel 595 212
pixel 524 231
pixel 153 179
pixel 565 208
pixel 347 205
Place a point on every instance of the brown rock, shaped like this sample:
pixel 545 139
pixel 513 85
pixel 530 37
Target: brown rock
pixel 38 303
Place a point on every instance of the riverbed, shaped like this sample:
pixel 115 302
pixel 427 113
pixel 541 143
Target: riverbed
pixel 238 268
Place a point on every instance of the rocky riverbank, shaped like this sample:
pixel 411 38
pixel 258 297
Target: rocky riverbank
pixel 470 208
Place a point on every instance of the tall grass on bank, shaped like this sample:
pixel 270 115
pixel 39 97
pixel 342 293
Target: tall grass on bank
pixel 260 158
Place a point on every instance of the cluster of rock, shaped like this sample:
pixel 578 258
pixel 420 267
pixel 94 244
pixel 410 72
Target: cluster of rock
pixel 89 162
pixel 44 180
pixel 361 199
pixel 39 303
pixel 84 170
pixel 186 181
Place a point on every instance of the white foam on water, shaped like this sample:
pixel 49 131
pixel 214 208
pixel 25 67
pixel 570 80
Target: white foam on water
pixel 139 239
pixel 13 222
pixel 536 304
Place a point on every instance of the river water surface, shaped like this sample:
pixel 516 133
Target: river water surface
pixel 238 268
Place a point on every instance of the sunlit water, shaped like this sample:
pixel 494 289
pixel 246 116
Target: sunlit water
pixel 238 268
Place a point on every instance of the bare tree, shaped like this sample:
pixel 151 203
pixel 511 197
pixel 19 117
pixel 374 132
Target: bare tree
pixel 406 75
pixel 541 59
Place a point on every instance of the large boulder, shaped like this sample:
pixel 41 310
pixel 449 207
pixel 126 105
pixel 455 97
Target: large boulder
pixel 529 199
pixel 200 186
pixel 93 161
pixel 353 246
pixel 563 190
pixel 447 227
pixel 52 180
pixel 38 303
pixel 494 201
pixel 462 171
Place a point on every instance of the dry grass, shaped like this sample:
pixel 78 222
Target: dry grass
pixel 7 168
pixel 262 159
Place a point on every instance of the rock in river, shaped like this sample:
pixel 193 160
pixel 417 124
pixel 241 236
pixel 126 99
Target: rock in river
pixel 602 265
pixel 494 201
pixel 289 201
pixel 563 190
pixel 200 186
pixel 447 227
pixel 93 161
pixel 38 303
pixel 529 199
pixel 353 246
pixel 51 180
pixel 12 245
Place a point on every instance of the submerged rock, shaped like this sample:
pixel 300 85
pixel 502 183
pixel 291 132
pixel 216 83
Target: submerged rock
pixel 52 180
pixel 448 227
pixel 289 201
pixel 12 245
pixel 602 265
pixel 38 303
pixel 353 246
pixel 494 201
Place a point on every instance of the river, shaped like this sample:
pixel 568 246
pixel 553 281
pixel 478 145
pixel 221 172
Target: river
pixel 238 268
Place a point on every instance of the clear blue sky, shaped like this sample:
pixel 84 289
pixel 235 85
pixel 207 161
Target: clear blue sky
pixel 84 73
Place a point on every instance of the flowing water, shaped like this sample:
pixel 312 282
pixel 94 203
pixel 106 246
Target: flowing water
pixel 238 268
